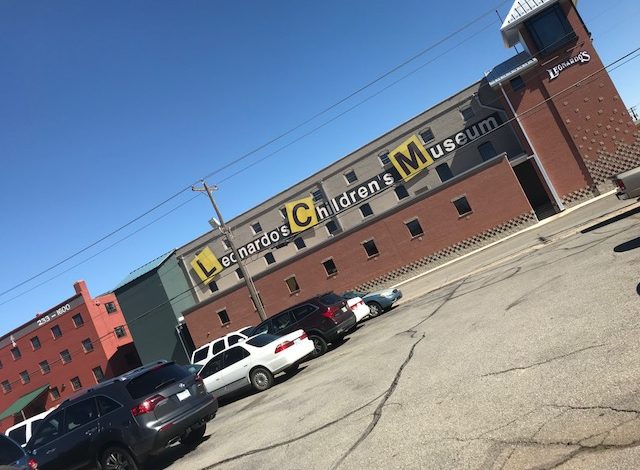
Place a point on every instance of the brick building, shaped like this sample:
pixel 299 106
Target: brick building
pixel 78 342
pixel 538 133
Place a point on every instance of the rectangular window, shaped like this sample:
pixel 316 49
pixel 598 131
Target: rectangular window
pixel 444 172
pixel 317 195
pixel 56 331
pixel 550 29
pixel 15 353
pixel 78 321
pixel 292 285
pixel 299 243
pixel 269 258
pixel 365 210
pixel 223 317
pixel 55 393
pixel 98 374
pixel 45 368
pixel 213 286
pixel 239 274
pixel 120 331
pixel 517 83
pixel 65 356
pixel 462 205
pixel 467 113
pixel 87 345
pixel 384 158
pixel 401 192
pixel 256 228
pixel 75 383
pixel 35 343
pixel 24 377
pixel 415 229
pixel 351 177
pixel 6 386
pixel 370 248
pixel 427 135
pixel 111 307
pixel 332 227
pixel 487 151
pixel 330 267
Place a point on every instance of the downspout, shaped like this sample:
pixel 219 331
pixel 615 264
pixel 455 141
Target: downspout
pixel 547 180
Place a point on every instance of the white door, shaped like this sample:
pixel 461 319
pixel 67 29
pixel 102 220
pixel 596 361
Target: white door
pixel 236 368
pixel 212 375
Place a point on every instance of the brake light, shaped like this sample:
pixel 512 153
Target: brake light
pixel 282 346
pixel 304 335
pixel 620 184
pixel 147 406
pixel 330 312
pixel 32 464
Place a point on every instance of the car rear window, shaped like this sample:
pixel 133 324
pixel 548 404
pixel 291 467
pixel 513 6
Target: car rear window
pixel 330 299
pixel 155 379
pixel 262 340
pixel 9 451
pixel 19 434
pixel 200 354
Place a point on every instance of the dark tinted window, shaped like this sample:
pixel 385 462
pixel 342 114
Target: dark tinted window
pixel 200 354
pixel 106 405
pixel 550 29
pixel 517 83
pixel 281 322
pixel 155 379
pixel 246 331
pixel 211 367
pixel 401 192
pixel 233 339
pixel 233 355
pixel 262 340
pixel 9 451
pixel 370 248
pixel 462 205
pixel 260 329
pixel 49 430
pixel 80 414
pixel 218 346
pixel 301 312
pixel 415 229
pixel 444 172
pixel 487 151
pixel 19 435
pixel 330 299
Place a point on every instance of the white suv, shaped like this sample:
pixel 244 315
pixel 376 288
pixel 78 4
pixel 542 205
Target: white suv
pixel 206 352
pixel 21 432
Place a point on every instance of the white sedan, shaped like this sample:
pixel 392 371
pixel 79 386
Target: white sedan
pixel 254 362
pixel 359 308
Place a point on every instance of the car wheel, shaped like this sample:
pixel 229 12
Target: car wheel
pixel 374 309
pixel 319 345
pixel 117 458
pixel 261 379
pixel 194 436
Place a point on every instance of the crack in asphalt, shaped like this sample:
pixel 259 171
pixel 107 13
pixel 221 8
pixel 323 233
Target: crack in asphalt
pixel 547 361
pixel 524 297
pixel 292 440
pixel 377 414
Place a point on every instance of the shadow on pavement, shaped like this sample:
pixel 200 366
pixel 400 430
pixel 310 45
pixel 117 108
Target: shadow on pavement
pixel 171 455
pixel 638 289
pixel 628 246
pixel 611 220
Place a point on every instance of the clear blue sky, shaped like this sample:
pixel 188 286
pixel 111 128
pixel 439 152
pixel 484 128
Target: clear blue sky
pixel 107 108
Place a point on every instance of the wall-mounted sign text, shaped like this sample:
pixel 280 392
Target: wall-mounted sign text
pixel 581 58
pixel 53 315
pixel 410 158
pixel 206 265
pixel 301 214
pixel 465 136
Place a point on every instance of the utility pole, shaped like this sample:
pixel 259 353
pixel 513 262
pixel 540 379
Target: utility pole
pixel 227 232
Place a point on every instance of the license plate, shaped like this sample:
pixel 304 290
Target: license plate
pixel 183 395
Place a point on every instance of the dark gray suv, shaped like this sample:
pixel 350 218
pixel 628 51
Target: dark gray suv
pixel 119 423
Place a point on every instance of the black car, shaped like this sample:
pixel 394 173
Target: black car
pixel 13 456
pixel 119 423
pixel 326 319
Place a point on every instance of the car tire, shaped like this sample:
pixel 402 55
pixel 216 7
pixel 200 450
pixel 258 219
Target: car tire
pixel 319 345
pixel 375 309
pixel 261 379
pixel 117 458
pixel 194 436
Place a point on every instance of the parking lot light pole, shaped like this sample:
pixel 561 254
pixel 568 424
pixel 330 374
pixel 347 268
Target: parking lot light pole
pixel 227 231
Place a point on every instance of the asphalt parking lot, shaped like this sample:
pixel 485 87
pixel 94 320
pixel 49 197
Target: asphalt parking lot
pixel 531 363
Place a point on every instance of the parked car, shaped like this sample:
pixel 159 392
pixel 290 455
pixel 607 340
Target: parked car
pixel 360 309
pixel 12 455
pixel 23 431
pixel 326 318
pixel 119 423
pixel 628 184
pixel 378 301
pixel 206 352
pixel 255 362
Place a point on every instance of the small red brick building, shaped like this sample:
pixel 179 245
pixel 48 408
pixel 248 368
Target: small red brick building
pixel 75 344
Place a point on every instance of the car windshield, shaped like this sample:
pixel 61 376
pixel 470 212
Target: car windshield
pixel 247 331
pixel 330 299
pixel 9 451
pixel 155 379
pixel 262 340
